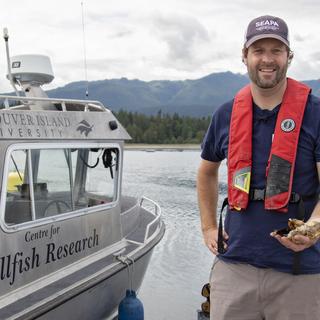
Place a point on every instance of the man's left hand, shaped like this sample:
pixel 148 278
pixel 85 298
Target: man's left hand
pixel 298 242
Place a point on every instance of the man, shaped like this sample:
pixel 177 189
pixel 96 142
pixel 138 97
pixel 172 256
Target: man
pixel 270 136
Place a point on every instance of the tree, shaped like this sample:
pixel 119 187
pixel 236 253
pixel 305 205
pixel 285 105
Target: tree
pixel 163 128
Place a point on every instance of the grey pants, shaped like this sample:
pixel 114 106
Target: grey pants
pixel 243 292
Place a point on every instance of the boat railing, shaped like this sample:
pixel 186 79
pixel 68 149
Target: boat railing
pixel 156 213
pixel 28 100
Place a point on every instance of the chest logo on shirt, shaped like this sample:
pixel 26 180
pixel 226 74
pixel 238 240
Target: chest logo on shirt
pixel 287 125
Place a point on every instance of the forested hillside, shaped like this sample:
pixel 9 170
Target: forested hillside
pixel 163 128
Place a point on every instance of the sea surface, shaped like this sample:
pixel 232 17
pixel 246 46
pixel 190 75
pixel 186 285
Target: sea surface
pixel 181 263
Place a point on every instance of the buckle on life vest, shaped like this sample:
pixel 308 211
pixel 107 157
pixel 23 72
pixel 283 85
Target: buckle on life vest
pixel 294 197
pixel 257 194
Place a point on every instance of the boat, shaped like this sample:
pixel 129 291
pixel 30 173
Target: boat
pixel 71 243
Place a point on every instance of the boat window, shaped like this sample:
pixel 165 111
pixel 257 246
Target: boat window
pixel 49 182
pixel 101 166
pixel 53 182
pixel 18 201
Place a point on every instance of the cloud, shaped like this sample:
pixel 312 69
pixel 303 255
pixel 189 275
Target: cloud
pixel 305 68
pixel 182 36
pixel 121 34
pixel 93 16
pixel 316 56
pixel 299 38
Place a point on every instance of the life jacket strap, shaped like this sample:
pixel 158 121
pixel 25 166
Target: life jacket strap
pixel 221 248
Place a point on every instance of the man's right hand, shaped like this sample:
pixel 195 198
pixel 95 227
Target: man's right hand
pixel 210 237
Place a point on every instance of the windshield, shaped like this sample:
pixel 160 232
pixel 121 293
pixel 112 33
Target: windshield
pixel 48 182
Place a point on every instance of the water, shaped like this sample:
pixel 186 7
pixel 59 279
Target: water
pixel 181 263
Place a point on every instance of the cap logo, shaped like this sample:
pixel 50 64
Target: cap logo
pixel 287 125
pixel 267 24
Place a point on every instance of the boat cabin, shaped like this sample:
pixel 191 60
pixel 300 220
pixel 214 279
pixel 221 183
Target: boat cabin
pixel 57 166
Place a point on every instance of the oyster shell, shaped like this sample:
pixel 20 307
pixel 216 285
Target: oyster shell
pixel 310 229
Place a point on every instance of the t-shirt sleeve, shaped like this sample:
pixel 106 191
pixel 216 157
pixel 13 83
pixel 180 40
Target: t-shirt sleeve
pixel 317 149
pixel 316 105
pixel 216 139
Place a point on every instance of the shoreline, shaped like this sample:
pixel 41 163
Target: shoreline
pixel 161 147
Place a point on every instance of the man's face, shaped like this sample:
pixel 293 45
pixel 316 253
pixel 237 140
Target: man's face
pixel 267 62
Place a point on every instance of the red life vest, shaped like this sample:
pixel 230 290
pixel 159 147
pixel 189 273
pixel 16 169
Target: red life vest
pixel 280 168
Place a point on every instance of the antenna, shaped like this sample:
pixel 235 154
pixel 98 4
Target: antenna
pixel 84 52
pixel 6 39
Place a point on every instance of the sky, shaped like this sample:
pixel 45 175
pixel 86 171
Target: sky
pixel 151 40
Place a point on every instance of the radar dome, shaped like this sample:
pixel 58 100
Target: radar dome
pixel 31 68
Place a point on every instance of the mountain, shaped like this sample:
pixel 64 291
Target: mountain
pixel 189 97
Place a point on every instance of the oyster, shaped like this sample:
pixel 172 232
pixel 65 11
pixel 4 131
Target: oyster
pixel 294 223
pixel 310 229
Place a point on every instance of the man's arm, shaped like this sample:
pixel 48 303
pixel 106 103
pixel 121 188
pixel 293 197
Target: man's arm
pixel 207 187
pixel 300 243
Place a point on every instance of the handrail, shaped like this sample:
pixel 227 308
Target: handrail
pixel 54 100
pixel 157 214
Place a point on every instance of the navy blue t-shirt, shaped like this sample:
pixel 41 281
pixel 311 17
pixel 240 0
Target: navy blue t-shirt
pixel 249 230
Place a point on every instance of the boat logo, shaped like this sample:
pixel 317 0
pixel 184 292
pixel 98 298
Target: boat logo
pixel 16 64
pixel 287 125
pixel 84 127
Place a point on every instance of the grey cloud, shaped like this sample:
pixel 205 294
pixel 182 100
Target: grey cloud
pixel 222 55
pixel 108 64
pixel 93 64
pixel 299 38
pixel 314 3
pixel 102 17
pixel 100 68
pixel 316 56
pixel 121 34
pixel 305 69
pixel 115 25
pixel 181 34
pixel 218 59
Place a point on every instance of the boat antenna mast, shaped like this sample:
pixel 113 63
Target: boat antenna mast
pixel 84 52
pixel 6 39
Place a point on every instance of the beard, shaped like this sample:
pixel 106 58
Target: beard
pixel 263 82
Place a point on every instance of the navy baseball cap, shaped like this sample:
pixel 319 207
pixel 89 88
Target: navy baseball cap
pixel 267 27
